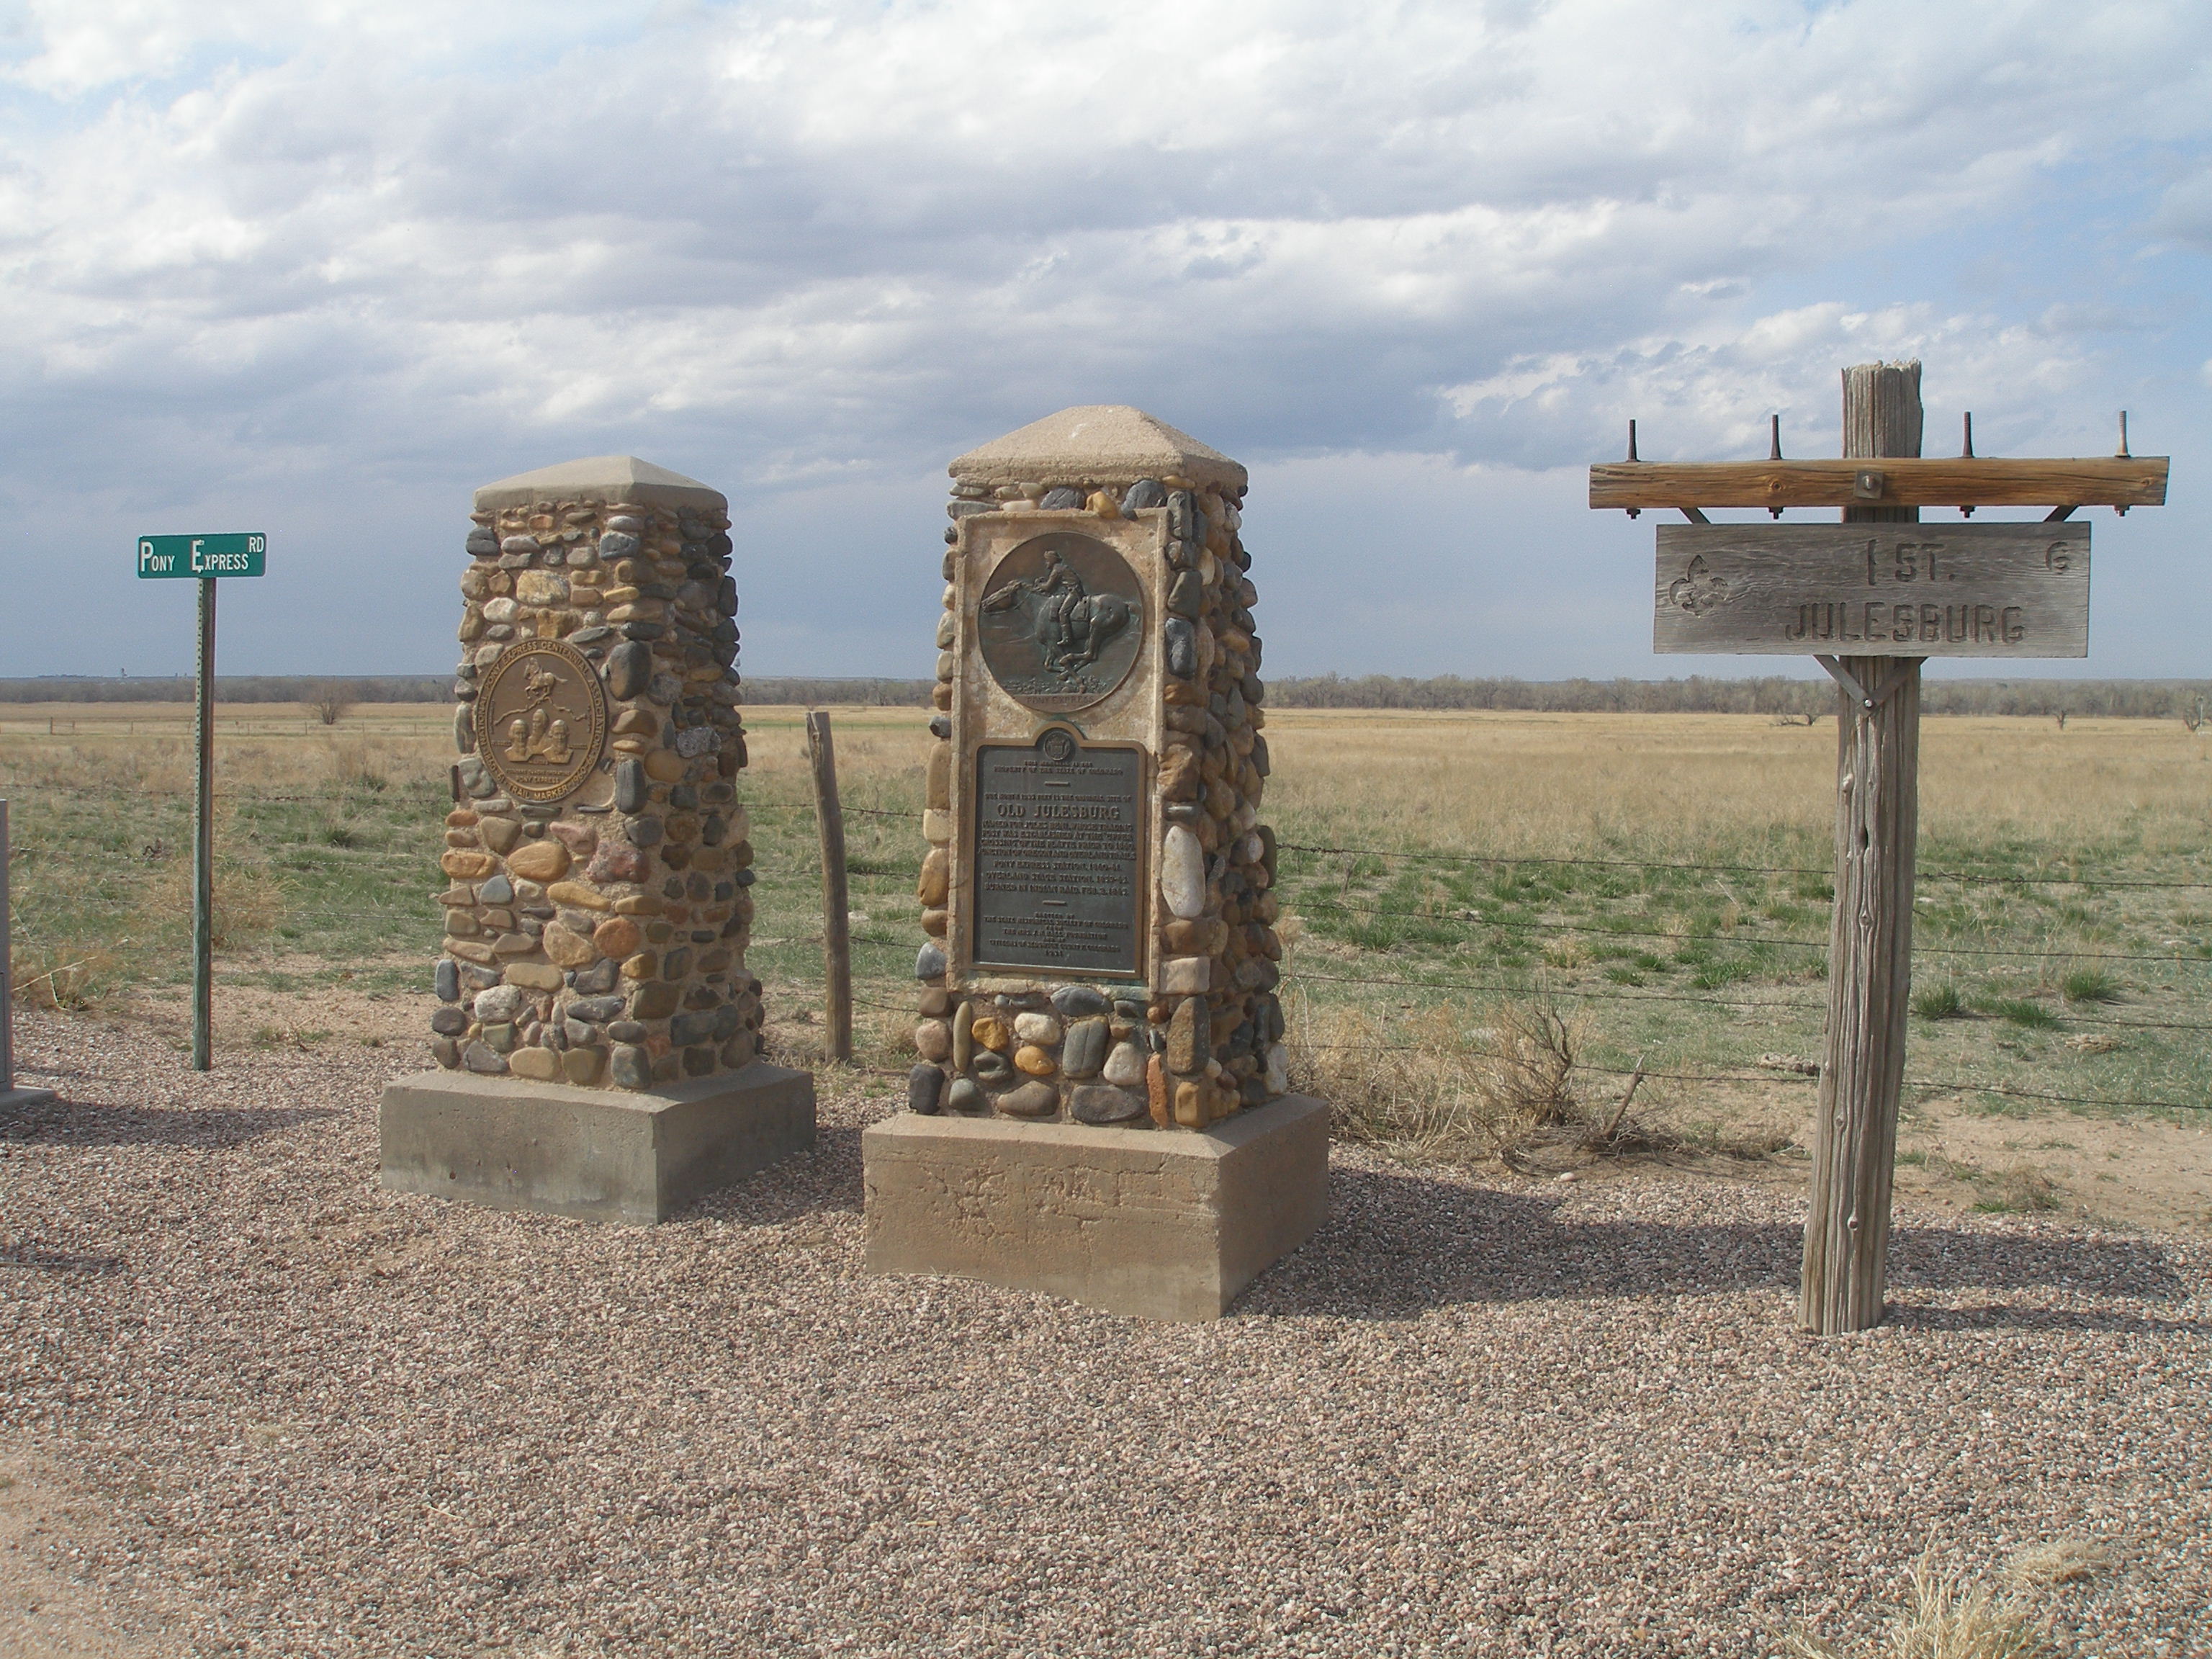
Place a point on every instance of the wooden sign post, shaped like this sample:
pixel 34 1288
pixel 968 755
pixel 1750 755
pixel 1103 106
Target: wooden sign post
pixel 1870 599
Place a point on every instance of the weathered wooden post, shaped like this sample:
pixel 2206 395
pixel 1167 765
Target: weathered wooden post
pixel 836 903
pixel 9 1094
pixel 1871 936
pixel 1870 603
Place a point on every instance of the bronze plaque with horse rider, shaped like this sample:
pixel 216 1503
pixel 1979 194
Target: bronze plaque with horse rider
pixel 541 720
pixel 1061 620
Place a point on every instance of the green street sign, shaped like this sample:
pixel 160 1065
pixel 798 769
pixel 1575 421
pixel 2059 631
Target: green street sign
pixel 240 555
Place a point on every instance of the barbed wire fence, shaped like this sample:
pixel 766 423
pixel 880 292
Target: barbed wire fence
pixel 347 792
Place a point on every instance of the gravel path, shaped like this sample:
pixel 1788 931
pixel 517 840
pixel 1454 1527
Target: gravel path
pixel 1473 1416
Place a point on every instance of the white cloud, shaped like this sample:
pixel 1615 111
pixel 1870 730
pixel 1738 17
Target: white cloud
pixel 322 241
pixel 1704 393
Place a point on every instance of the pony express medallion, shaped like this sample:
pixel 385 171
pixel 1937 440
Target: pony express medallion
pixel 1061 620
pixel 541 720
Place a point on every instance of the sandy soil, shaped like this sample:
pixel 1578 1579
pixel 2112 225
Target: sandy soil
pixel 49 1606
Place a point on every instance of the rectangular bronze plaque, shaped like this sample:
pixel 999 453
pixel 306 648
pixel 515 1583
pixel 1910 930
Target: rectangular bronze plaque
pixel 1874 590
pixel 1059 856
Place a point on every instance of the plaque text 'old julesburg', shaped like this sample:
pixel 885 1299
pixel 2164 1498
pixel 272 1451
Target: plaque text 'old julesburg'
pixel 1059 864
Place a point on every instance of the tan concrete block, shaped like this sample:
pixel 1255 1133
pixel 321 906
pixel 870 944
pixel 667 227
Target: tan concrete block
pixel 595 1154
pixel 1160 1225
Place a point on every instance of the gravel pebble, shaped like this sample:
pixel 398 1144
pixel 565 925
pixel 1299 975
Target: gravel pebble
pixel 1475 1414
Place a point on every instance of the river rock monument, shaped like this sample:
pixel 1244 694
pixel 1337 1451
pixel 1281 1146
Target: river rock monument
pixel 1100 1106
pixel 597 1034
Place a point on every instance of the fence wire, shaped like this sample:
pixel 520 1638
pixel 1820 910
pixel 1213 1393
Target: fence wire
pixel 1506 859
pixel 343 793
pixel 1604 930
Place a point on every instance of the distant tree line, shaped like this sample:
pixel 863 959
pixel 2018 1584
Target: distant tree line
pixel 228 688
pixel 1769 693
pixel 408 688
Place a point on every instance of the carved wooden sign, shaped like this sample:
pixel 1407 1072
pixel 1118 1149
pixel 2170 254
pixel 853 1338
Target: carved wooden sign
pixel 1874 590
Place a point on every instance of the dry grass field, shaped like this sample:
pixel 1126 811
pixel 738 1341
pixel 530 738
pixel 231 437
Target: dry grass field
pixel 1650 890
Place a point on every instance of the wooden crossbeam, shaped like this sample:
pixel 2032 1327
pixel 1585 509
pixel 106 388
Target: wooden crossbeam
pixel 2111 480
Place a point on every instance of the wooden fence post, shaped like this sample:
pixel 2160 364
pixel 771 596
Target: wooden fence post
pixel 837 931
pixel 1870 939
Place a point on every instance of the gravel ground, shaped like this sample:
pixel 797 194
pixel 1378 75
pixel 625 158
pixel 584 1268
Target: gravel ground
pixel 1473 1415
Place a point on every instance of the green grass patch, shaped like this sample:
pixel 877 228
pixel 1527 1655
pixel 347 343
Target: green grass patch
pixel 1939 1002
pixel 2090 985
pixel 2024 1013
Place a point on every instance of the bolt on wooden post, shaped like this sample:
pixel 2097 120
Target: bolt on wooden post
pixel 1870 599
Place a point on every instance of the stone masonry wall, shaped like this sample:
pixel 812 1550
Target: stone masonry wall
pixel 599 940
pixel 1205 1040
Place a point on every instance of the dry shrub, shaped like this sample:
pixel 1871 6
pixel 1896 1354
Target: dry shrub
pixel 1412 1091
pixel 65 978
pixel 2023 1187
pixel 329 703
pixel 248 900
pixel 1512 1089
pixel 2061 1561
pixel 359 765
pixel 1944 1618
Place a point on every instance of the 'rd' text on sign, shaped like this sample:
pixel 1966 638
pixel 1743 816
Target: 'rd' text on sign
pixel 1874 590
pixel 238 555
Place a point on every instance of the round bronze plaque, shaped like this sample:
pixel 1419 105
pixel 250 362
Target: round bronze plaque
pixel 1061 620
pixel 541 720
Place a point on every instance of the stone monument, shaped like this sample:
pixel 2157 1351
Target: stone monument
pixel 1100 1110
pixel 597 1033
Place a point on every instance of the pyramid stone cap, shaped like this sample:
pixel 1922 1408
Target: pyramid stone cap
pixel 1096 443
pixel 601 479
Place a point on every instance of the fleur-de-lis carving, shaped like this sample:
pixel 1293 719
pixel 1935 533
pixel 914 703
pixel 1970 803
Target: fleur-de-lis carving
pixel 1697 590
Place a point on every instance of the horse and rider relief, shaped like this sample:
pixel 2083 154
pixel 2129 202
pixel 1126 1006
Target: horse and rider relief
pixel 1061 620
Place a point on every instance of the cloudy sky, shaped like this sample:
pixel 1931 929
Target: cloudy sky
pixel 320 267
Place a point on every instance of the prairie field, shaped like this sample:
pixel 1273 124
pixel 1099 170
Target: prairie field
pixel 1535 1387
pixel 1653 888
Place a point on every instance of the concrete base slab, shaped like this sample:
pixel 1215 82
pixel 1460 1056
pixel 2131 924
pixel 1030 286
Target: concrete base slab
pixel 24 1098
pixel 1159 1224
pixel 596 1154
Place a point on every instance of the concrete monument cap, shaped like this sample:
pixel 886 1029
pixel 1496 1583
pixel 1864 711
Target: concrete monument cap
pixel 1096 443
pixel 602 479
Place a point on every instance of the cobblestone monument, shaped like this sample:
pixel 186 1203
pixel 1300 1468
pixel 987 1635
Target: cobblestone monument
pixel 1100 1106
pixel 597 1033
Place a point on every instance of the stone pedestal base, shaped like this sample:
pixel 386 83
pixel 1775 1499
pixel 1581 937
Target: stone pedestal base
pixel 1161 1225
pixel 596 1154
pixel 21 1097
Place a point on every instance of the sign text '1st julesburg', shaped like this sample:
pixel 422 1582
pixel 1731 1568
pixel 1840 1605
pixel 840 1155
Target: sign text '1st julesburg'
pixel 1874 590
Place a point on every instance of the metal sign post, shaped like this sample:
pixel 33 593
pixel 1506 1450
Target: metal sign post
pixel 204 559
pixel 1870 600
